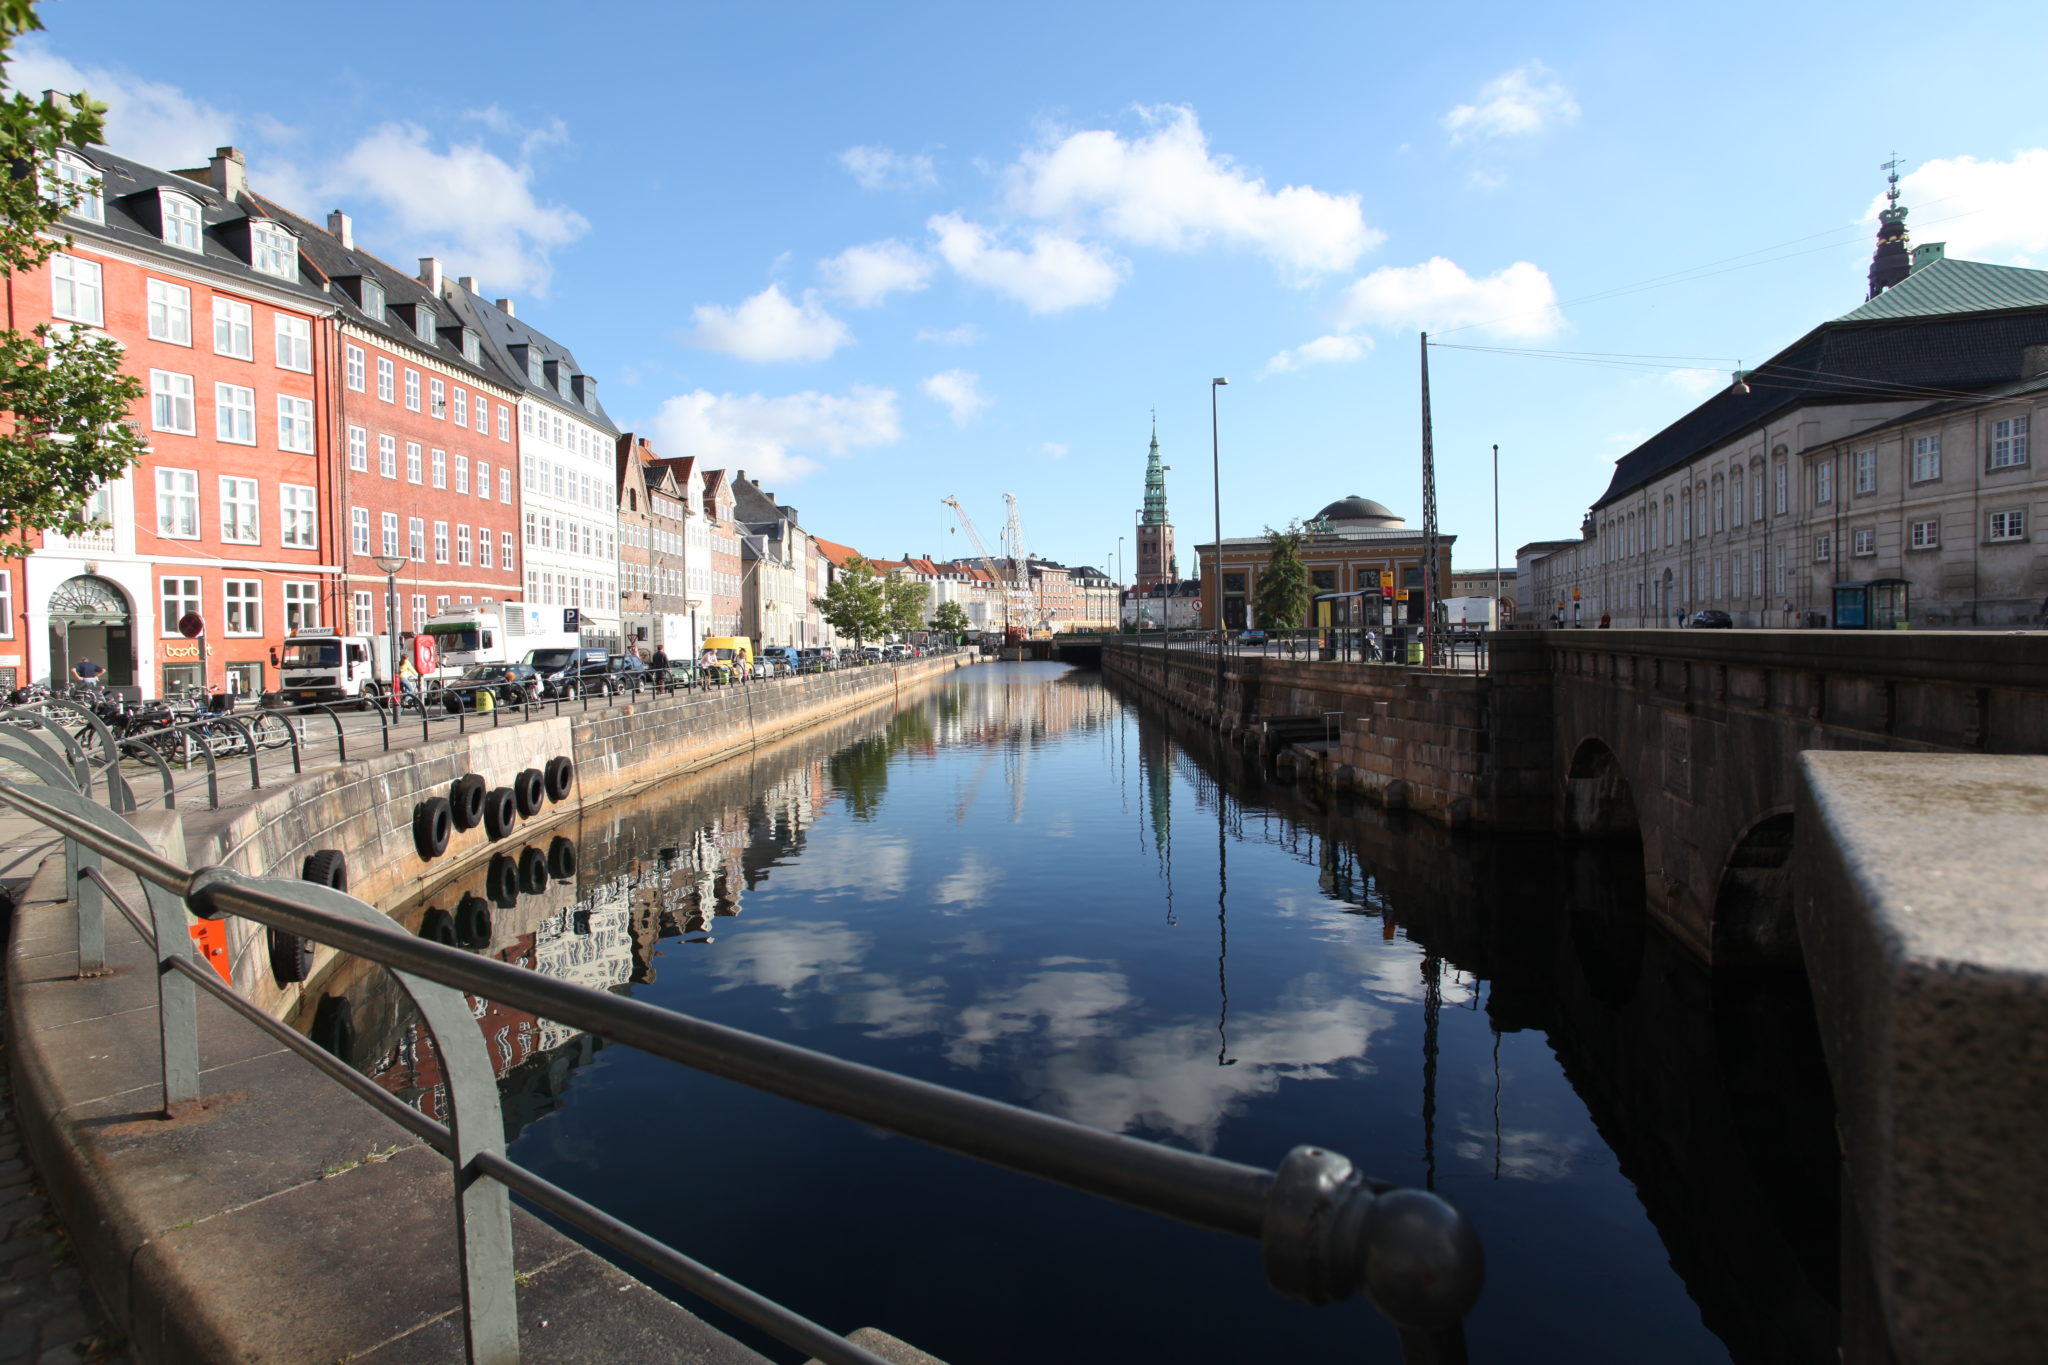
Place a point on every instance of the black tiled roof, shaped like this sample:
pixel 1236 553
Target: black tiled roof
pixel 500 331
pixel 1930 358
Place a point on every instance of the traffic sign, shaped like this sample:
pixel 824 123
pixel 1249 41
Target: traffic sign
pixel 425 657
pixel 1198 604
pixel 572 618
pixel 191 625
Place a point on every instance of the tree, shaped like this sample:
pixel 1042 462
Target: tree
pixel 64 397
pixel 906 604
pixel 1283 586
pixel 856 602
pixel 950 619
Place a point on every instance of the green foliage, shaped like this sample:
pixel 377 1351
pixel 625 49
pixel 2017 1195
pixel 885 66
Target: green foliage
pixel 62 387
pixel 906 604
pixel 856 602
pixel 950 619
pixel 1283 594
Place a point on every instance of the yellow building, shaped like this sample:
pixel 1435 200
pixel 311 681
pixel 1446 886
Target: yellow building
pixel 1347 547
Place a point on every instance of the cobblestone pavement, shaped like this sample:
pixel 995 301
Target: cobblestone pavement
pixel 48 1314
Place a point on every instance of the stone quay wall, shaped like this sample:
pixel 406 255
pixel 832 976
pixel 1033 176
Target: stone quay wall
pixel 1466 750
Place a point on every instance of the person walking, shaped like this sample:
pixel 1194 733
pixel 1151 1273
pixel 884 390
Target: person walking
pixel 660 665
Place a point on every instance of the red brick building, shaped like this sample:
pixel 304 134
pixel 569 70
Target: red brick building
pixel 726 565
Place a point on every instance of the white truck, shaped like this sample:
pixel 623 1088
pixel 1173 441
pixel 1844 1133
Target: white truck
pixel 320 665
pixel 1469 612
pixel 496 633
pixel 323 665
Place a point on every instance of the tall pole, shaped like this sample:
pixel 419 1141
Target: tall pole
pixel 1495 613
pixel 1429 549
pixel 1216 478
pixel 391 624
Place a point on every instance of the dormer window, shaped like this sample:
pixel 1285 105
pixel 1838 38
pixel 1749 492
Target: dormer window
pixel 472 346
pixel 373 299
pixel 75 183
pixel 273 250
pixel 536 369
pixel 424 324
pixel 181 220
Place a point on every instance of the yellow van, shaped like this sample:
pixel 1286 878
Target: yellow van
pixel 732 655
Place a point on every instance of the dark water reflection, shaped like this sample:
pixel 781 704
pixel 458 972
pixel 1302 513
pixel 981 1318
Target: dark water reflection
pixel 1023 886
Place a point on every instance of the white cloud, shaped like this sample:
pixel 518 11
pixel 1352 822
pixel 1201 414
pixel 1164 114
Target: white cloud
pixel 1515 302
pixel 466 204
pixel 878 168
pixel 966 334
pixel 865 275
pixel 1517 103
pixel 769 328
pixel 960 392
pixel 1984 210
pixel 156 124
pixel 1166 189
pixel 1336 349
pixel 1055 273
pixel 1054 450
pixel 1697 383
pixel 773 438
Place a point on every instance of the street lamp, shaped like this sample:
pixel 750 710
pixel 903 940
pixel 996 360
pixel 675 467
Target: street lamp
pixel 390 566
pixel 1216 480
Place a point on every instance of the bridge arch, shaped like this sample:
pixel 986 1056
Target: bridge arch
pixel 1599 800
pixel 1753 921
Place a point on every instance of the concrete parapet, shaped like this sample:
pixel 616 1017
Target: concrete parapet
pixel 1919 885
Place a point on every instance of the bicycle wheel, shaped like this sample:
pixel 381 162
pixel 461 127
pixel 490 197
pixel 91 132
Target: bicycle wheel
pixel 269 731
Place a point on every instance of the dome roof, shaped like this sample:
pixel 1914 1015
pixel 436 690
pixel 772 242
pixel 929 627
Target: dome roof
pixel 1357 511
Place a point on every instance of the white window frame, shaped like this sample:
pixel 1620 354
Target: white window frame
pixel 175 598
pixel 356 366
pixel 425 322
pixel 462 474
pixel 440 466
pixel 505 484
pixel 459 399
pixel 177 489
pixel 1926 458
pixel 412 390
pixel 437 398
pixel 483 548
pixel 414 465
pixel 301 598
pixel 77 293
pixel 440 542
pixel 184 224
pixel 294 343
pixel 273 249
pixel 80 180
pixel 2009 442
pixel 172 404
pixel 247 594
pixel 373 300
pixel 170 313
pixel 295 424
pixel 387 379
pixel 359 450
pixel 483 479
pixel 1823 548
pixel 419 612
pixel 2006 525
pixel 298 516
pixel 363 610
pixel 387 455
pixel 1924 535
pixel 1863 542
pixel 504 422
pixel 462 543
pixel 241 515
pixel 234 414
pixel 1866 471
pixel 359 530
pixel 389 530
pixel 416 539
pixel 505 560
pixel 1782 487
pixel 1824 481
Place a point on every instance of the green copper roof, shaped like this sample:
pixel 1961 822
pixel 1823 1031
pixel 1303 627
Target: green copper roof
pixel 1949 286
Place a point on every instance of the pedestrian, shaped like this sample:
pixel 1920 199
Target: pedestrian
pixel 1605 620
pixel 660 662
pixel 408 682
pixel 87 673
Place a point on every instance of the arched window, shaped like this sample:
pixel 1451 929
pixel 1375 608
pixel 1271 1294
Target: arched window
pixel 77 180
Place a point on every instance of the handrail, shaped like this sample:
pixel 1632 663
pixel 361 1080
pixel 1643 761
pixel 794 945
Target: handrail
pixel 1326 1230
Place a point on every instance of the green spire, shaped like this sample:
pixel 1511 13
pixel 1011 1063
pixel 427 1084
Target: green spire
pixel 1155 482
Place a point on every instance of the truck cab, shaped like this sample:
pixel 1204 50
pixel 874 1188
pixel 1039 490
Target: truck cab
pixel 319 665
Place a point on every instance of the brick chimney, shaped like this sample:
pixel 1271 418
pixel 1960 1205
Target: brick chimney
pixel 228 172
pixel 505 307
pixel 430 274
pixel 344 231
pixel 469 282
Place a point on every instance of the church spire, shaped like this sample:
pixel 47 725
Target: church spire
pixel 1891 262
pixel 1155 482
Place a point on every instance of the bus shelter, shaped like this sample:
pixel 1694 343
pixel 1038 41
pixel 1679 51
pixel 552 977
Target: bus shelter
pixel 1873 604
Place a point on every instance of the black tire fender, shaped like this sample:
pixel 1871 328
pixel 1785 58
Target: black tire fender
pixel 473 923
pixel 291 957
pixel 326 867
pixel 334 1025
pixel 533 871
pixel 562 858
pixel 530 789
pixel 466 801
pixel 560 776
pixel 432 824
pixel 500 813
pixel 501 881
pixel 438 926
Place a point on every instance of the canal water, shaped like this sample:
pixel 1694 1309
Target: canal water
pixel 1026 885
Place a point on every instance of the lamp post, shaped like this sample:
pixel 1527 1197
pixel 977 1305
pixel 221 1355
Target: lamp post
pixel 390 565
pixel 1119 584
pixel 1216 481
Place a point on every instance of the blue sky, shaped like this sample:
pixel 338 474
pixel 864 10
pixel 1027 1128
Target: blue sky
pixel 877 255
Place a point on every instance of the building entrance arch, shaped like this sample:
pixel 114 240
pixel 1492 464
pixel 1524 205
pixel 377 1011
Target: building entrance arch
pixel 90 618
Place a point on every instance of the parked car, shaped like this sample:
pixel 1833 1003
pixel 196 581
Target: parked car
pixel 786 655
pixel 1712 620
pixel 605 674
pixel 508 684
pixel 1252 637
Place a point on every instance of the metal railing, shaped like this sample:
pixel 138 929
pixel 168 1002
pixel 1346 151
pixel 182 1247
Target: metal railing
pixel 1326 1230
pixel 1397 647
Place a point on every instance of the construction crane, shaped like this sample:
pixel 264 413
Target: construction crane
pixel 1015 608
pixel 1033 618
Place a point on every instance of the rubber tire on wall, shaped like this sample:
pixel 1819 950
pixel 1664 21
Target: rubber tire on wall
pixel 291 957
pixel 530 787
pixel 466 801
pixel 432 823
pixel 562 858
pixel 561 778
pixel 533 871
pixel 500 812
pixel 501 881
pixel 438 926
pixel 473 923
pixel 334 1025
pixel 325 867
